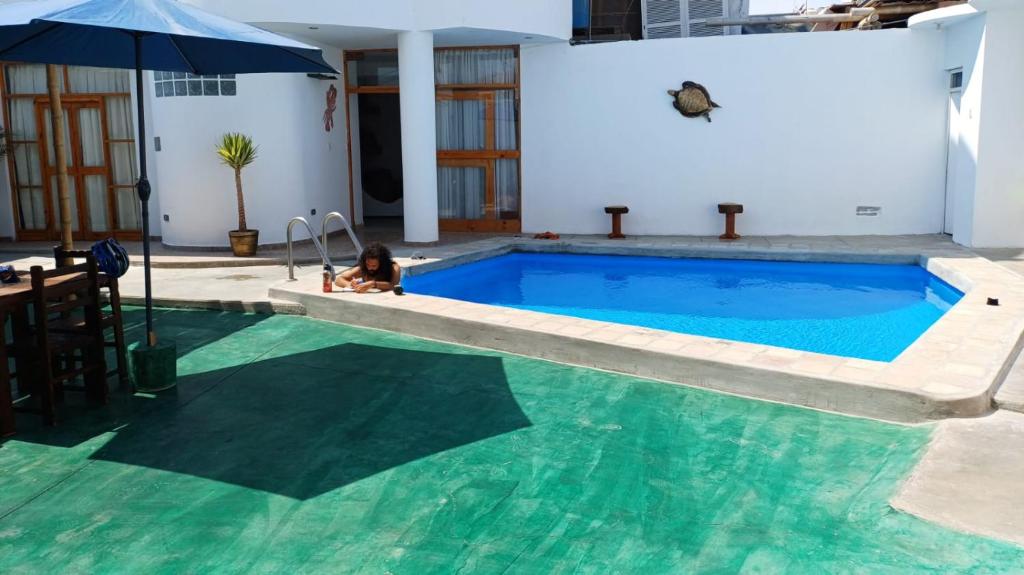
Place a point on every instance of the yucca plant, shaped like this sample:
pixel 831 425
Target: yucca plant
pixel 238 151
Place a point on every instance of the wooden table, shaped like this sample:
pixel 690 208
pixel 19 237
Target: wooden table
pixel 15 300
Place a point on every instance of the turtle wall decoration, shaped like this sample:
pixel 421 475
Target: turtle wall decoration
pixel 693 101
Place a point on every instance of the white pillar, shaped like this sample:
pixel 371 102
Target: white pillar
pixel 419 138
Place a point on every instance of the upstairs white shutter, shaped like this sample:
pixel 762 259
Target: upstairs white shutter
pixel 662 18
pixel 698 13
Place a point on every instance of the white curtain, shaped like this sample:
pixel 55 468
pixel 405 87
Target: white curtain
pixel 461 124
pixel 472 66
pixel 27 78
pixel 27 169
pixel 461 193
pixel 97 80
pixel 121 126
pixel 506 195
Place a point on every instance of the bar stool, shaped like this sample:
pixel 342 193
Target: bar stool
pixel 616 212
pixel 730 210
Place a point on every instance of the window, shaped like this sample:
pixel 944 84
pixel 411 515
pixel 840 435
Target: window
pixel 956 79
pixel 100 144
pixel 185 84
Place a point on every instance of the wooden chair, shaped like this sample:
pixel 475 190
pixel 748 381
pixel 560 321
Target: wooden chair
pixel 6 390
pixel 68 334
pixel 112 321
pixel 23 358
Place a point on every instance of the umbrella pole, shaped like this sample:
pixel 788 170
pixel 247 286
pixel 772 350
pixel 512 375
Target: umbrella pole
pixel 60 153
pixel 144 189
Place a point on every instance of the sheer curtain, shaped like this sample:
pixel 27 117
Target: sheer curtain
pixel 461 192
pixel 506 171
pixel 121 131
pixel 461 124
pixel 26 79
pixel 475 66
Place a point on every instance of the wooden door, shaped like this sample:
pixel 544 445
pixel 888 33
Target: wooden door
pixel 88 163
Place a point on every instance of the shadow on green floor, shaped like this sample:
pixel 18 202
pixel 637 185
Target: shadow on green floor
pixel 298 446
pixel 303 424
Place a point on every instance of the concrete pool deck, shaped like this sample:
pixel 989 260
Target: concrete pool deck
pixel 952 370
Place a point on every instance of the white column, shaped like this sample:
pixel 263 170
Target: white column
pixel 419 139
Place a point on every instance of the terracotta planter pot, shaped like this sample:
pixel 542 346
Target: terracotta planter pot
pixel 244 244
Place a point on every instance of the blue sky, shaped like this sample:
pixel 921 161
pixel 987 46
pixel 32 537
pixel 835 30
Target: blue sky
pixel 783 6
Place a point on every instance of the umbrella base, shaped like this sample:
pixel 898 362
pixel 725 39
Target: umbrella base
pixel 153 368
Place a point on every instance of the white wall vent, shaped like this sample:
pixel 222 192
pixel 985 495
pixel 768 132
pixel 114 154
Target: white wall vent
pixel 699 12
pixel 662 18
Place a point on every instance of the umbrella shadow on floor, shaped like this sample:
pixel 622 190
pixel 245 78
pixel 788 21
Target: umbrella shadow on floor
pixel 304 424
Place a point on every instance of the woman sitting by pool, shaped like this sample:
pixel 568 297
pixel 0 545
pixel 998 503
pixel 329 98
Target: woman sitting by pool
pixel 375 270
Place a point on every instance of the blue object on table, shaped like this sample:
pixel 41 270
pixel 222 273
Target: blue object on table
pixel 8 275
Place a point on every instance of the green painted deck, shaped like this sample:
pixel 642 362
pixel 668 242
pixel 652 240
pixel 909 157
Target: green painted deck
pixel 297 446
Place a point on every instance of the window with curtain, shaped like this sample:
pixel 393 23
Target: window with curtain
pixel 478 137
pixel 101 151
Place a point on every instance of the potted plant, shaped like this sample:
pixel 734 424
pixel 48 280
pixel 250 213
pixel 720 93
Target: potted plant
pixel 237 151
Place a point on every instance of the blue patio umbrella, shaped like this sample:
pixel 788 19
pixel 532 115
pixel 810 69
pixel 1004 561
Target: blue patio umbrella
pixel 162 35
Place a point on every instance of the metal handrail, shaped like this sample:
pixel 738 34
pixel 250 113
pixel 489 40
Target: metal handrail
pixel 316 242
pixel 348 228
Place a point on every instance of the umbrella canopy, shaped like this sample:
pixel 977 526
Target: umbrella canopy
pixel 163 35
pixel 174 37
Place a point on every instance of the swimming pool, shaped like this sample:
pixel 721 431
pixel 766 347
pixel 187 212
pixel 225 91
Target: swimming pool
pixel 868 311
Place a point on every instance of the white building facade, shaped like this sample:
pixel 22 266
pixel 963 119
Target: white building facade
pixel 479 115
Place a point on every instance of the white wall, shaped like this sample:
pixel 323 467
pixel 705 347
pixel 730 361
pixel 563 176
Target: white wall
pixel 551 18
pixel 999 188
pixel 964 49
pixel 300 166
pixel 812 126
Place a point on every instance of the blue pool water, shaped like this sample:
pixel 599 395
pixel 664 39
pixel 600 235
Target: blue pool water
pixel 868 311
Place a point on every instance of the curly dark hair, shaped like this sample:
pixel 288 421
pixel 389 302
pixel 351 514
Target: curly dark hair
pixel 381 253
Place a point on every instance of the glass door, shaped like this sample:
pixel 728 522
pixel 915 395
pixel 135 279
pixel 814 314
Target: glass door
pixel 87 167
pixel 478 160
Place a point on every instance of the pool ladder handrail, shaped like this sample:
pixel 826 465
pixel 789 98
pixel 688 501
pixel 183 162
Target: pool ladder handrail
pixel 316 242
pixel 348 228
pixel 321 246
